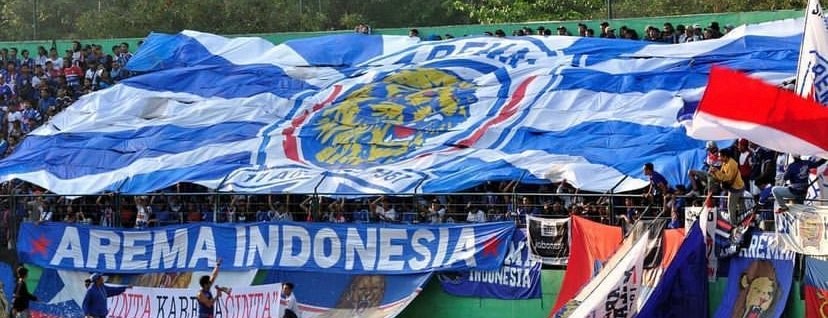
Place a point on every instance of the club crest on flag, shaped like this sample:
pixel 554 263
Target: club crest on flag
pixel 387 120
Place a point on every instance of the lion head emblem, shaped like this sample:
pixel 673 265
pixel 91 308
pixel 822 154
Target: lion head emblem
pixel 385 120
pixel 362 298
pixel 759 291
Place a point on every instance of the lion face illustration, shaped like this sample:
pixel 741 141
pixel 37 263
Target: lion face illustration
pixel 363 293
pixel 362 298
pixel 383 121
pixel 759 291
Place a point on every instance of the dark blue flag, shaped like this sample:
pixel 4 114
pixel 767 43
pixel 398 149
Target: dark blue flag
pixel 682 291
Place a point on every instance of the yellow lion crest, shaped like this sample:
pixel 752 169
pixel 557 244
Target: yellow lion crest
pixel 758 291
pixel 384 120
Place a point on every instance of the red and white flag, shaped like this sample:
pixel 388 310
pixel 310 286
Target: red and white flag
pixel 737 106
pixel 812 71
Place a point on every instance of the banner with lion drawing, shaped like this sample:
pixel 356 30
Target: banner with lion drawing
pixel 804 229
pixel 759 280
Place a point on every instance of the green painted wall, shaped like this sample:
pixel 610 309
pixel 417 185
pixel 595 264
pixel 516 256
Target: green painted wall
pixel 460 30
pixel 434 303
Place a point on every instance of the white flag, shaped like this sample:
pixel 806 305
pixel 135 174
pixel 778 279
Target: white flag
pixel 812 71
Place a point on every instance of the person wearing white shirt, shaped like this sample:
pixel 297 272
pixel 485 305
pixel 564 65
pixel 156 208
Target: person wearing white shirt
pixel 14 116
pixel 291 308
pixel 282 216
pixel 475 217
pixel 143 212
pixel 383 210
pixel 436 212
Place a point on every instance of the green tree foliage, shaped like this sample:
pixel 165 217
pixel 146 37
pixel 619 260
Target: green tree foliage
pixel 499 11
pixel 68 19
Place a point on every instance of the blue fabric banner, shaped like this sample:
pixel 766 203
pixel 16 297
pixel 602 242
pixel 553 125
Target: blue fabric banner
pixel 351 248
pixel 759 280
pixel 334 295
pixel 518 278
pixel 682 291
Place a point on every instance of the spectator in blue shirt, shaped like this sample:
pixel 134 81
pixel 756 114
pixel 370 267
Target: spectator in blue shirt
pixel 658 184
pixel 45 101
pixel 94 303
pixel 797 177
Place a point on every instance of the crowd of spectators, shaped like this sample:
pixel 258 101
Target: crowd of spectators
pixel 35 86
pixel 666 34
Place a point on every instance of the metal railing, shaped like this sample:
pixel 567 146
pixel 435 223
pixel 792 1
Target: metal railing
pixel 119 210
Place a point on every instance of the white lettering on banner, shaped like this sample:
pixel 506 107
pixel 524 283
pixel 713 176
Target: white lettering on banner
pixel 765 246
pixel 177 251
pixel 245 302
pixel 260 248
pixel 416 243
pixel 366 250
pixel 516 271
pixel 205 247
pixel 291 233
pixel 323 259
pixel 69 247
pixel 511 276
pixel 132 250
pixel 273 245
pixel 241 247
pixel 97 248
pixel 388 250
pixel 465 249
pixel 441 249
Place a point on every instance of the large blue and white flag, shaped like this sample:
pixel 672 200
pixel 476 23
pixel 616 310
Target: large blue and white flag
pixel 363 114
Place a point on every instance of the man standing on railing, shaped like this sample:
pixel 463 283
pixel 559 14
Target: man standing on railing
pixel 732 182
pixel 658 185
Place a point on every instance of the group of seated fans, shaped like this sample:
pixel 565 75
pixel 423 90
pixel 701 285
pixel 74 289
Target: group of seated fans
pixel 35 86
pixel 666 34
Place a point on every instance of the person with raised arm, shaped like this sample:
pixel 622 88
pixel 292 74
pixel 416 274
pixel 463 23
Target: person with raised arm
pixel 206 301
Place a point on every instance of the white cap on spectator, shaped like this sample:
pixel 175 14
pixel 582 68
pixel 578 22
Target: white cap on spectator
pixel 696 26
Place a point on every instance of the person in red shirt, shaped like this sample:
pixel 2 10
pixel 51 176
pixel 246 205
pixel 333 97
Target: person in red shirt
pixel 73 73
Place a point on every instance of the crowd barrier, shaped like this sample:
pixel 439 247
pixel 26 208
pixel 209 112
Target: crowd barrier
pixel 118 210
